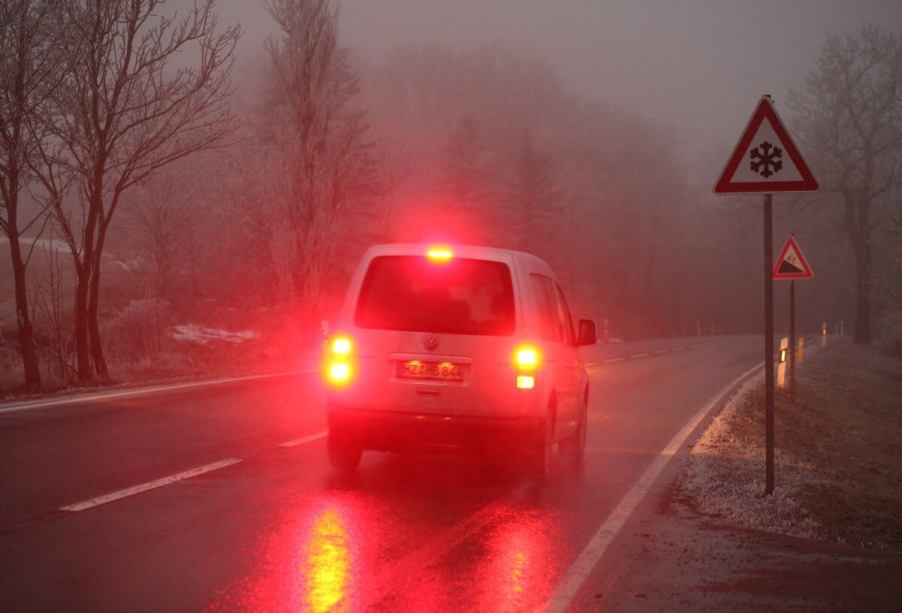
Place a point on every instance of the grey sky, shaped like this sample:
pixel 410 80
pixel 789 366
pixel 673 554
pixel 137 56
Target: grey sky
pixel 697 66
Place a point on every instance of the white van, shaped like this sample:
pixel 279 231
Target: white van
pixel 469 347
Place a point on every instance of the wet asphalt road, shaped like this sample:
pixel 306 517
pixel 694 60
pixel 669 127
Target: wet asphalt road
pixel 277 530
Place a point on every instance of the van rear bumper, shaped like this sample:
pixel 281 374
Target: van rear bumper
pixel 399 430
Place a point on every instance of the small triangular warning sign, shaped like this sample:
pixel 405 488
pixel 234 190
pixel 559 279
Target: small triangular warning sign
pixel 791 264
pixel 766 160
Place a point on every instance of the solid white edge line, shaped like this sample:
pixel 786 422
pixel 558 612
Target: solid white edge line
pixel 570 584
pixel 40 404
pixel 612 360
pixel 150 485
pixel 659 351
pixel 306 439
pixel 638 355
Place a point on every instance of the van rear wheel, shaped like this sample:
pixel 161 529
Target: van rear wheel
pixel 344 454
pixel 574 446
pixel 538 462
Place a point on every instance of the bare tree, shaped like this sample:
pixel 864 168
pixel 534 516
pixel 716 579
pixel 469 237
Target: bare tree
pixel 850 110
pixel 31 65
pixel 147 90
pixel 54 331
pixel 161 213
pixel 326 160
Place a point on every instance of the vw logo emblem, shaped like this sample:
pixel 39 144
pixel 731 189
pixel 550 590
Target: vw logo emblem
pixel 430 342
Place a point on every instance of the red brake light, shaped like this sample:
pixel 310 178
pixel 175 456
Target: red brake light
pixel 338 367
pixel 341 345
pixel 526 357
pixel 339 373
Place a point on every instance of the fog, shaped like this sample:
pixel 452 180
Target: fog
pixel 693 66
pixel 588 133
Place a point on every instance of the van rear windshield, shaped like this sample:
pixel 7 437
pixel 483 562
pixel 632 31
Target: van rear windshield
pixel 461 296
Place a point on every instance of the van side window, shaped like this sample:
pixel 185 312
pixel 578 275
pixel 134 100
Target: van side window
pixel 550 321
pixel 565 312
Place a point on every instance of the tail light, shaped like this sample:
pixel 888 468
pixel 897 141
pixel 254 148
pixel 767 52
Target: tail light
pixel 339 369
pixel 527 357
pixel 526 361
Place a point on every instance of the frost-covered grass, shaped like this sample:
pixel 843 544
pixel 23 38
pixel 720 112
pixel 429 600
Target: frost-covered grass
pixel 838 453
pixel 725 473
pixel 204 335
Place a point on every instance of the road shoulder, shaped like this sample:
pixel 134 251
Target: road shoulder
pixel 680 551
pixel 673 557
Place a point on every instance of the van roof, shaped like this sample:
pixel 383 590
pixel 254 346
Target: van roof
pixel 475 252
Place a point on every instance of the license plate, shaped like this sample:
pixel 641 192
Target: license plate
pixel 430 371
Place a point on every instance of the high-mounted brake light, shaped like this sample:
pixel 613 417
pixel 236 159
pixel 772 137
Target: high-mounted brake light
pixel 439 254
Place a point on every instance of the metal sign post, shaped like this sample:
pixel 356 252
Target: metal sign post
pixel 792 341
pixel 791 264
pixel 765 161
pixel 768 345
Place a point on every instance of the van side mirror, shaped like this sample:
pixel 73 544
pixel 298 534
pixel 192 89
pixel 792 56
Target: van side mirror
pixel 588 333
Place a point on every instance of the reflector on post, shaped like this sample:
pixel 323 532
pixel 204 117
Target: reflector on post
pixel 781 363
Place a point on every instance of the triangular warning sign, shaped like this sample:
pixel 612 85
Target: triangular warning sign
pixel 766 159
pixel 791 264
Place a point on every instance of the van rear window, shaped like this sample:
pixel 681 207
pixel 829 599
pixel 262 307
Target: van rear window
pixel 462 296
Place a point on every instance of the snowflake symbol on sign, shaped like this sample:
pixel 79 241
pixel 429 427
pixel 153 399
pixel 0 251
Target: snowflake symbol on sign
pixel 766 159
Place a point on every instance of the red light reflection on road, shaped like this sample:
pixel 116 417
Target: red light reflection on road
pixel 310 560
pixel 523 561
pixel 347 551
pixel 328 562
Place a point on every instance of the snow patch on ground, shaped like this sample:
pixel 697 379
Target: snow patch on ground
pixel 725 474
pixel 203 335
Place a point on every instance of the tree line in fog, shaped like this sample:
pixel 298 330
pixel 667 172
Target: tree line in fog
pixel 145 186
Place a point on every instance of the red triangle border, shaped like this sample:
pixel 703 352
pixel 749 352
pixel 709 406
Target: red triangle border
pixel 806 273
pixel 725 184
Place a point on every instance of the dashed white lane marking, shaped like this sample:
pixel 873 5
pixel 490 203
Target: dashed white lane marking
pixel 150 485
pixel 656 352
pixel 573 579
pixel 40 404
pixel 306 439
